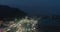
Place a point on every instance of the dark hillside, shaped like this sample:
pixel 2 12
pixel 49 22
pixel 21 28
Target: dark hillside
pixel 8 12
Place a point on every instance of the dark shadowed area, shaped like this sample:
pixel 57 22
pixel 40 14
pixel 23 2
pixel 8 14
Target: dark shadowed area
pixel 10 12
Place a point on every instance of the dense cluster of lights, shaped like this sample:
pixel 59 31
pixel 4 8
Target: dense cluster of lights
pixel 23 25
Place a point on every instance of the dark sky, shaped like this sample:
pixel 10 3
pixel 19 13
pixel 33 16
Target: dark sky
pixel 35 7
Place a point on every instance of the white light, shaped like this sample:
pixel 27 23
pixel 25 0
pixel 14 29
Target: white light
pixel 8 30
pixel 32 24
pixel 21 28
pixel 34 28
pixel 17 31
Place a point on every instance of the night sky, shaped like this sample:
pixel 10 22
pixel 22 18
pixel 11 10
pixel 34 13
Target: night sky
pixel 35 7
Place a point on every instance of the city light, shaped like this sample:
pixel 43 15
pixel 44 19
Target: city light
pixel 23 25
